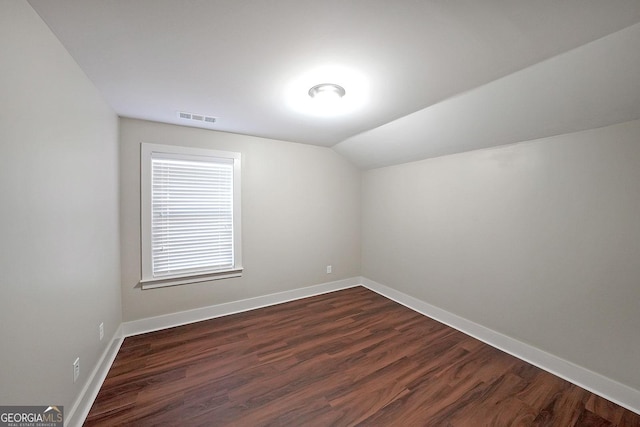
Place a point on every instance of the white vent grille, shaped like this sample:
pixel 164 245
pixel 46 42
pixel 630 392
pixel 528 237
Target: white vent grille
pixel 196 117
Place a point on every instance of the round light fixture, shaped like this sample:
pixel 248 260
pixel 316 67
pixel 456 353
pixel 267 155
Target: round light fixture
pixel 328 99
pixel 327 91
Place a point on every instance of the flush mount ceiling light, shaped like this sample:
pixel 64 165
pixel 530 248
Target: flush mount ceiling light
pixel 304 95
pixel 327 92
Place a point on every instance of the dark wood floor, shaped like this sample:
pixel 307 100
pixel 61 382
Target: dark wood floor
pixel 345 358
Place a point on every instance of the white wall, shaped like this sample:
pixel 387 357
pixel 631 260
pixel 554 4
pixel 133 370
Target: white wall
pixel 539 241
pixel 59 250
pixel 300 212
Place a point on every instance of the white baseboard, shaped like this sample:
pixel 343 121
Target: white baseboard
pixel 614 391
pixel 83 403
pixel 150 324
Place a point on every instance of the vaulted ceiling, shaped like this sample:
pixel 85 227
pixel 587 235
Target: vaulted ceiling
pixel 426 78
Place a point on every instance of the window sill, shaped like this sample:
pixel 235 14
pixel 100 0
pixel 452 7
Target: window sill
pixel 174 281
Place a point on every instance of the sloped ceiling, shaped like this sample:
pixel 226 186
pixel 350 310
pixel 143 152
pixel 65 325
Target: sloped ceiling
pixel 592 86
pixel 440 76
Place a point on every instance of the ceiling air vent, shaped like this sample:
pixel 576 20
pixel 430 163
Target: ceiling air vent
pixel 196 117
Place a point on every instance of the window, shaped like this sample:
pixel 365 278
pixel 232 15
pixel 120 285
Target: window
pixel 190 215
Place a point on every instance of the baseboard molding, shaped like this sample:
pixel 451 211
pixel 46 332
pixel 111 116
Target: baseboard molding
pixel 79 411
pixel 614 391
pixel 157 323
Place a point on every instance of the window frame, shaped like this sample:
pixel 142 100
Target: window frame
pixel 147 150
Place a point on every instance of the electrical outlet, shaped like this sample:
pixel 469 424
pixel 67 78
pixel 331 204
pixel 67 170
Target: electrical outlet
pixel 329 269
pixel 76 369
pixel 101 329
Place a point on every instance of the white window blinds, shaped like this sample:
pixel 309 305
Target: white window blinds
pixel 192 216
pixel 191 213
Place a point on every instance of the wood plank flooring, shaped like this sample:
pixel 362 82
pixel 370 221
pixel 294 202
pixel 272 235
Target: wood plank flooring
pixel 346 358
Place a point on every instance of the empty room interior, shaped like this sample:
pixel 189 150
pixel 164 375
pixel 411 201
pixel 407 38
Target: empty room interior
pixel 321 212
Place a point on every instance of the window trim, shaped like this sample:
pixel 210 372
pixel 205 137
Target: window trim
pixel 147 280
